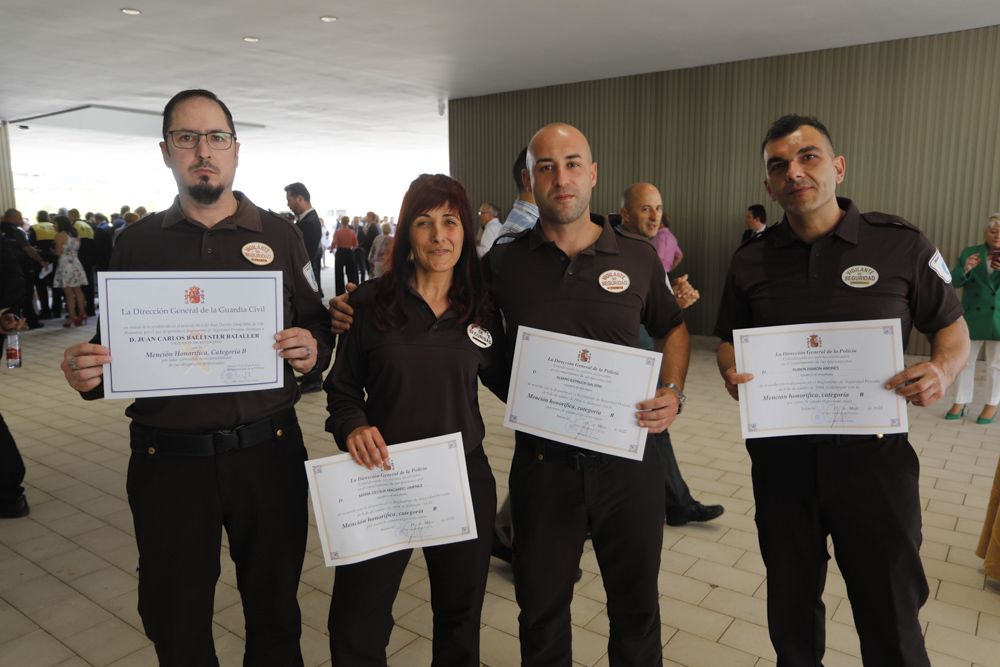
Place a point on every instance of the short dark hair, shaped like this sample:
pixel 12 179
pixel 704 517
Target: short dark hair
pixel 298 190
pixel 758 212
pixel 788 124
pixel 520 164
pixel 188 94
pixel 43 216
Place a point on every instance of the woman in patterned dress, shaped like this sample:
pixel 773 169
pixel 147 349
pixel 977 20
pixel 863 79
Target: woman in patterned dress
pixel 70 275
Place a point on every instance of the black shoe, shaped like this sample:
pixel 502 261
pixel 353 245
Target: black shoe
pixel 14 509
pixel 311 387
pixel 695 512
pixel 579 575
pixel 36 325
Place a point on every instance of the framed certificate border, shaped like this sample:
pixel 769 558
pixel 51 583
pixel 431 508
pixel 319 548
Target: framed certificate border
pixel 641 385
pixel 268 283
pixel 886 334
pixel 401 455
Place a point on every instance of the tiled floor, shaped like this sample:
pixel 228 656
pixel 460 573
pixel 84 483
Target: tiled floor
pixel 67 573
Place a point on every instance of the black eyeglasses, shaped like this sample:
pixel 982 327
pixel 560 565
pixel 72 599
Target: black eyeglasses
pixel 187 139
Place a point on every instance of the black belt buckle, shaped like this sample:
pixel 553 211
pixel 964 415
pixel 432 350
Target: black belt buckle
pixel 223 441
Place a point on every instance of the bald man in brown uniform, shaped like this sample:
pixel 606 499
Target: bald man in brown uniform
pixel 859 489
pixel 212 461
pixel 549 277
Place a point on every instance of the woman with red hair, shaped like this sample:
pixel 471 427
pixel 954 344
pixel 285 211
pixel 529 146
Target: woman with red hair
pixel 423 334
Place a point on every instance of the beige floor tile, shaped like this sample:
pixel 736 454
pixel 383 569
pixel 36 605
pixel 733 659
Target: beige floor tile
pixel 415 654
pixel 14 624
pixel 726 577
pixel 106 642
pixel 694 620
pixel 694 651
pixel 105 584
pixel 38 649
pixel 73 564
pixel 962 645
pixel 749 638
pixel 144 657
pixel 738 605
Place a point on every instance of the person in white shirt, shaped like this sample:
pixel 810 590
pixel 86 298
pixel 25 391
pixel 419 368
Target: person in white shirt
pixel 489 219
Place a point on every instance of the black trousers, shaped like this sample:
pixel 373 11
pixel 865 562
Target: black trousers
pixel 862 491
pixel 555 494
pixel 361 610
pixel 677 495
pixel 11 466
pixel 361 261
pixel 180 506
pixel 345 269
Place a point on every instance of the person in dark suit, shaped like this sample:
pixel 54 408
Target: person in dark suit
pixel 978 271
pixel 307 220
pixel 756 219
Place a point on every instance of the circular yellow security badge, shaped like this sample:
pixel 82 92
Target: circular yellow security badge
pixel 859 276
pixel 480 336
pixel 258 253
pixel 614 281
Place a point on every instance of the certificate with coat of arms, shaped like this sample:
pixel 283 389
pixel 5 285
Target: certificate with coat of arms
pixel 580 392
pixel 820 378
pixel 177 333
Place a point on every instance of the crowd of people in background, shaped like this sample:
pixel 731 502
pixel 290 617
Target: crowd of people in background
pixel 61 252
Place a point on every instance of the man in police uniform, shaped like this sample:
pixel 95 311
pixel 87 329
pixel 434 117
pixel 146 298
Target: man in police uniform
pixel 861 490
pixel 207 462
pixel 554 277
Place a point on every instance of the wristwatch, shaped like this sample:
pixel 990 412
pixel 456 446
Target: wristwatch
pixel 680 395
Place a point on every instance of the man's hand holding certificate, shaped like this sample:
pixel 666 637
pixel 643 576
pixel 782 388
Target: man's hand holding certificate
pixel 820 378
pixel 204 332
pixel 580 392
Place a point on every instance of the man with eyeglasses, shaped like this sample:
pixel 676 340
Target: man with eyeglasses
pixel 235 461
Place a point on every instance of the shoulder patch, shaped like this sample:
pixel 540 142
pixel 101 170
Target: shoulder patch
pixel 887 219
pixel 940 266
pixel 307 273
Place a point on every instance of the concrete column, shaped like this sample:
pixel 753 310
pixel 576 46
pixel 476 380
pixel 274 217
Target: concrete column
pixel 6 171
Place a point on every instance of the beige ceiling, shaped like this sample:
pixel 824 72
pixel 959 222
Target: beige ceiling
pixel 377 76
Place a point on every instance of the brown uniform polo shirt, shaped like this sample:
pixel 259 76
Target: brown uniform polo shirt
pixel 167 241
pixel 420 379
pixel 537 285
pixel 778 279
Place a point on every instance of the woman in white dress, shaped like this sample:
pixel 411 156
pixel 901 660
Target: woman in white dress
pixel 70 275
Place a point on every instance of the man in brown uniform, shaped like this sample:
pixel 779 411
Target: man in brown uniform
pixel 207 462
pixel 859 489
pixel 552 277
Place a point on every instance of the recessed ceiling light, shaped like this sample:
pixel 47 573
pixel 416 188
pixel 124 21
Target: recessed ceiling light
pixel 327 19
pixel 251 40
pixel 130 11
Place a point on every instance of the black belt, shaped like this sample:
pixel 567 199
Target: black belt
pixel 173 443
pixel 577 459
